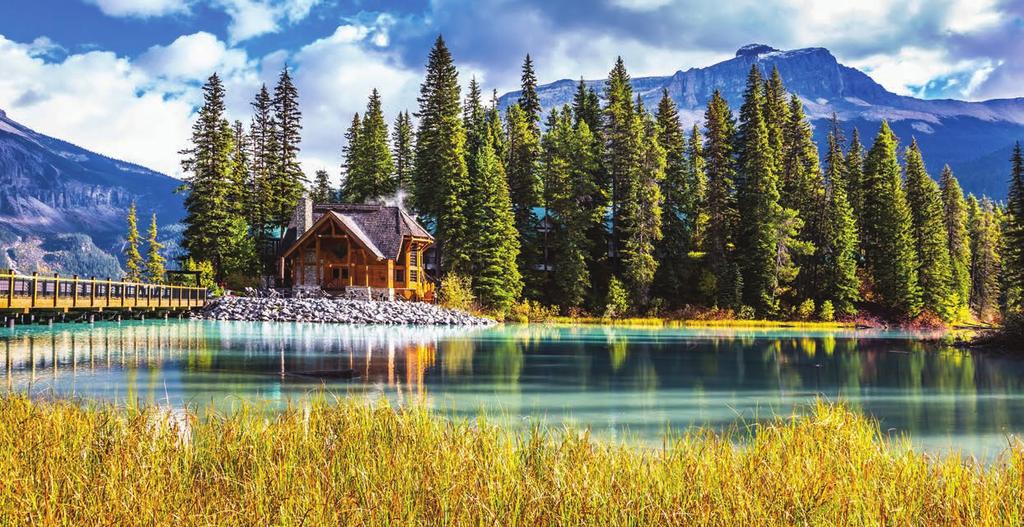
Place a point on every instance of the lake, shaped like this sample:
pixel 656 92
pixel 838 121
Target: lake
pixel 623 382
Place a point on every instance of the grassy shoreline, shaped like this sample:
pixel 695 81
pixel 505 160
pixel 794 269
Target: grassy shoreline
pixel 695 323
pixel 358 464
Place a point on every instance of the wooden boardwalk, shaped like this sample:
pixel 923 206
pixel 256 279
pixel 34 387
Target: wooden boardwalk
pixel 53 293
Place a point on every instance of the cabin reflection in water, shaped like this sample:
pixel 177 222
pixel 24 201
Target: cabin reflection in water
pixel 198 363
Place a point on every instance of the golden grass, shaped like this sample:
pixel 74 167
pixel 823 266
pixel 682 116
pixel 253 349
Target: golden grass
pixel 352 463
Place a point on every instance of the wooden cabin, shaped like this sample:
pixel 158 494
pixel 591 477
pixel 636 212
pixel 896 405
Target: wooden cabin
pixel 376 250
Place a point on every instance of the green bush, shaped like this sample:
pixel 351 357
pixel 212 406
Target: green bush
pixel 531 311
pixel 457 292
pixel 746 313
pixel 805 310
pixel 827 312
pixel 617 304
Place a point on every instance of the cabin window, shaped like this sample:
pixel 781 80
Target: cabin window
pixel 399 275
pixel 335 273
pixel 414 275
pixel 414 257
pixel 344 273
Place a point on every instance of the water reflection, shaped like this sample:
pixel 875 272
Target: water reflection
pixel 613 379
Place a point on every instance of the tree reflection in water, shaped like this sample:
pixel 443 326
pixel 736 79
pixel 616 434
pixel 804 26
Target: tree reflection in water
pixel 613 379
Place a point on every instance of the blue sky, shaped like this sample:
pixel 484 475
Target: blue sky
pixel 122 76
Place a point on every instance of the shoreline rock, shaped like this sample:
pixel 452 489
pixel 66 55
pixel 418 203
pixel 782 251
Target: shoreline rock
pixel 335 311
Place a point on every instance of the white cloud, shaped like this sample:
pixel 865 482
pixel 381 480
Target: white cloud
pixel 910 70
pixel 192 57
pixel 334 76
pixel 96 100
pixel 141 8
pixel 252 18
pixel 641 5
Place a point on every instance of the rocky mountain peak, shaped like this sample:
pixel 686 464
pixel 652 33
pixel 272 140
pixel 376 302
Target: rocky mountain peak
pixel 753 50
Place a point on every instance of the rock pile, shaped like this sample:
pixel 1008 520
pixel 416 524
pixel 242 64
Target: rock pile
pixel 335 310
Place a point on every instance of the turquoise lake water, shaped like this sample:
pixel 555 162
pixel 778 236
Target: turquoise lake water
pixel 622 382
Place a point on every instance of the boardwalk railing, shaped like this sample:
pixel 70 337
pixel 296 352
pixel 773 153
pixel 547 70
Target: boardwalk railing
pixel 53 292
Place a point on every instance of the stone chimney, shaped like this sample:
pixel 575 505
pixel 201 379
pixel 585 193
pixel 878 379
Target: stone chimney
pixel 302 218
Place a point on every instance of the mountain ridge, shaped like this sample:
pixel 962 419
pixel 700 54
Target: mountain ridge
pixel 63 208
pixel 963 134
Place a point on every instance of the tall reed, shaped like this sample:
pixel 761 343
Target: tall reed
pixel 351 463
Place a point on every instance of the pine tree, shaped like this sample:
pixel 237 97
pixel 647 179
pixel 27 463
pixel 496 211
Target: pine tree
pixel 839 253
pixel 529 101
pixel 955 219
pixel 241 168
pixel 722 283
pixel 778 120
pixel 154 260
pixel 641 210
pixel 932 242
pixel 621 144
pixel 495 277
pixel 263 142
pixel 803 191
pixel 586 107
pixel 887 234
pixel 350 158
pixel 986 264
pixel 680 212
pixel 370 175
pixel 568 164
pixel 287 183
pixel 1013 260
pixel 521 154
pixel 208 167
pixel 321 192
pixel 402 150
pixel 855 179
pixel 758 202
pixel 439 174
pixel 133 260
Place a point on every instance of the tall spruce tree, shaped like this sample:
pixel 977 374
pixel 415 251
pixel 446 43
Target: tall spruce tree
pixel 529 101
pixel 986 264
pixel 133 265
pixel 676 272
pixel 621 144
pixel 370 177
pixel 758 203
pixel 586 107
pixel 568 164
pixel 208 166
pixel 321 191
pixel 839 253
pixel 1013 237
pixel 855 178
pixel 263 142
pixel 803 191
pixel 287 183
pixel 240 172
pixel 932 242
pixel 777 119
pixel 521 153
pixel 154 260
pixel 955 219
pixel 402 150
pixel 723 283
pixel 494 276
pixel 887 234
pixel 440 175
pixel 350 156
pixel 641 209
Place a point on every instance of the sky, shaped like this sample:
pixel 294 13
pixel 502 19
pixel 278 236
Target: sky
pixel 123 77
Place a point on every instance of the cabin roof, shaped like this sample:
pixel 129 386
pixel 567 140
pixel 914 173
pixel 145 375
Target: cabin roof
pixel 380 228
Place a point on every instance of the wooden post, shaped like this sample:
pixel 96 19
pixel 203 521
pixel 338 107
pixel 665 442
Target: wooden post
pixel 74 290
pixel 56 288
pixel 391 279
pixel 10 290
pixel 108 292
pixel 35 288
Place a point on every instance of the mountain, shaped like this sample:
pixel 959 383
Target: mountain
pixel 971 137
pixel 63 208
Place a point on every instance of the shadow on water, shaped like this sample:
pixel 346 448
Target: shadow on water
pixel 615 380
